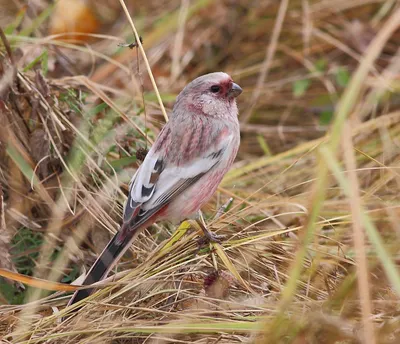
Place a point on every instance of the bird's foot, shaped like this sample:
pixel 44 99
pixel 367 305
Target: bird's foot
pixel 212 237
pixel 208 235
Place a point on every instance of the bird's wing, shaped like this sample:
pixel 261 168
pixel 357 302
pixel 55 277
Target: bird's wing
pixel 158 181
pixel 154 185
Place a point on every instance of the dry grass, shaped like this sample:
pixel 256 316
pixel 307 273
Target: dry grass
pixel 312 235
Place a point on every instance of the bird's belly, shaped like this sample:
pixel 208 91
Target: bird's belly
pixel 191 200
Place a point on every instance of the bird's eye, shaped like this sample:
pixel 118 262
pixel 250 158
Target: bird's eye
pixel 215 88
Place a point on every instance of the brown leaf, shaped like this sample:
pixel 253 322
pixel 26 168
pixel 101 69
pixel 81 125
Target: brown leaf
pixel 359 35
pixel 40 150
pixel 5 238
pixel 100 238
pixel 218 283
pixel 73 16
pixel 9 10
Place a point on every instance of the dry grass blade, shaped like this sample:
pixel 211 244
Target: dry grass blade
pixel 311 233
pixel 346 104
pixel 268 59
pixel 139 44
pixel 359 237
pixel 37 282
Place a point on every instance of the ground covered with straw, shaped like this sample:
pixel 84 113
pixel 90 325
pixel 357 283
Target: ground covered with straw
pixel 309 211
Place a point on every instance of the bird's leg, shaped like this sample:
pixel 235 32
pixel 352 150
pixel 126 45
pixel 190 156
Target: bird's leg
pixel 210 236
pixel 222 209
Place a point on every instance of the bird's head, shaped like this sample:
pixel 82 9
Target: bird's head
pixel 212 94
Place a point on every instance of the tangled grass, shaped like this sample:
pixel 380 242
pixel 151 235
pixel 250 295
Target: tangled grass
pixel 310 210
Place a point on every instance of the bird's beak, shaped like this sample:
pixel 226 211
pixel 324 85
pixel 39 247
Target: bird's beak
pixel 235 91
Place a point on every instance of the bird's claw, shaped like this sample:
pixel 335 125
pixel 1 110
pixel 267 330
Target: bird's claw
pixel 210 237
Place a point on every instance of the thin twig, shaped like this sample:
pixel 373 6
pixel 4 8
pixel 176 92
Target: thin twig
pixel 7 46
pixel 268 59
pixel 145 59
pixel 177 48
pixel 222 209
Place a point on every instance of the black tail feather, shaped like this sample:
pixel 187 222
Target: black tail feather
pixel 104 263
pixel 114 250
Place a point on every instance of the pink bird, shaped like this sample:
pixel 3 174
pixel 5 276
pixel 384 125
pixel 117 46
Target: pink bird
pixel 182 170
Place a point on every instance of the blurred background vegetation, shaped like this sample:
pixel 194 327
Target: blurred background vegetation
pixel 312 222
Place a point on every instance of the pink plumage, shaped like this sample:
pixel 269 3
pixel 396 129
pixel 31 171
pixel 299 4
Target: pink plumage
pixel 184 167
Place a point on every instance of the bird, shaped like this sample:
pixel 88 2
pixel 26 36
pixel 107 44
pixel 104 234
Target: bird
pixel 181 171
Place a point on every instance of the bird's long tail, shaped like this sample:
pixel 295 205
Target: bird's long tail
pixel 105 262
